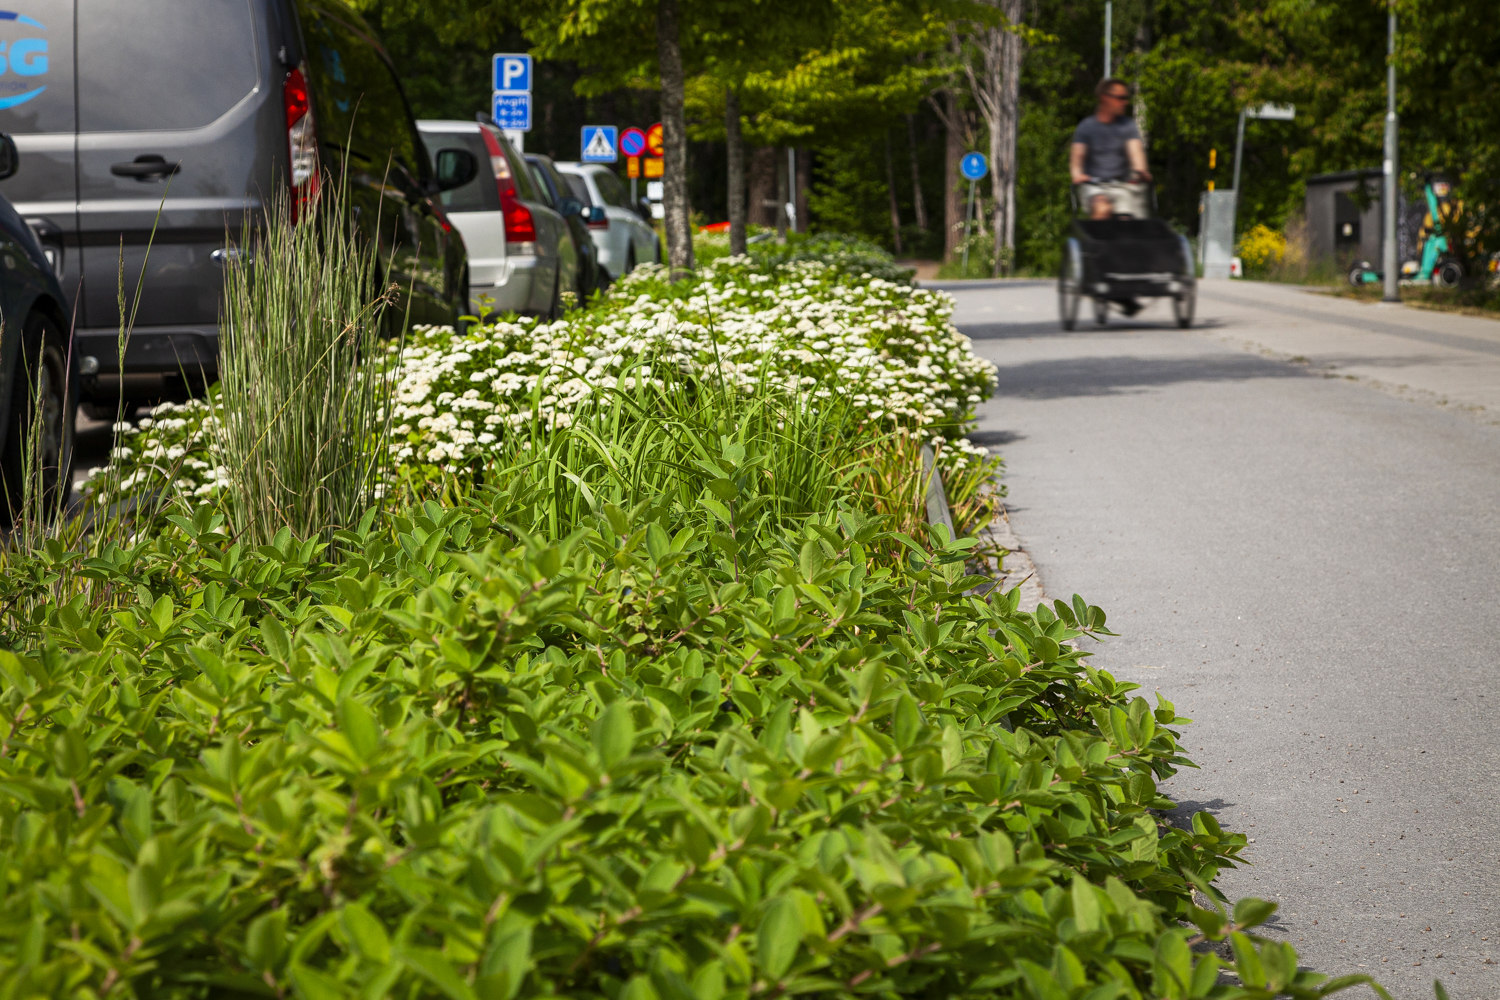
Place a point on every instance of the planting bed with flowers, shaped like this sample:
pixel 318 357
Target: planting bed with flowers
pixel 883 354
pixel 628 684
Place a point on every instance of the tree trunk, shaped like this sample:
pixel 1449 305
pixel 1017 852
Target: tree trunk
pixel 890 186
pixel 1011 52
pixel 918 203
pixel 678 221
pixel 996 88
pixel 734 145
pixel 953 190
pixel 762 185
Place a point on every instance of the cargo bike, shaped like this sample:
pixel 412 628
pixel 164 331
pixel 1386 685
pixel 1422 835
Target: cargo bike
pixel 1121 259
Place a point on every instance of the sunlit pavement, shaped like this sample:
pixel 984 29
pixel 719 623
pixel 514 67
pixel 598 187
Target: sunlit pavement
pixel 1304 555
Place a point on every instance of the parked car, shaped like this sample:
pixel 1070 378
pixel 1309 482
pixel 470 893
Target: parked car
pixel 38 368
pixel 521 256
pixel 624 238
pixel 167 123
pixel 591 276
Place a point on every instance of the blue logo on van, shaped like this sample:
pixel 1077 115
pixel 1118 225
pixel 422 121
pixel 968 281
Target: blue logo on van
pixel 25 57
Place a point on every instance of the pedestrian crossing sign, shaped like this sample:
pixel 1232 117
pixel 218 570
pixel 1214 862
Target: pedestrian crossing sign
pixel 599 142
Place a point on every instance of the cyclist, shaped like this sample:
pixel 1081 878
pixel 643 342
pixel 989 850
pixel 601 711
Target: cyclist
pixel 1108 159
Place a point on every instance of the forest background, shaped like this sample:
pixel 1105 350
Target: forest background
pixel 881 97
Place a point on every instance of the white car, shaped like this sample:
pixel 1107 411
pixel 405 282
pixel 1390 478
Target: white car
pixel 623 238
pixel 521 253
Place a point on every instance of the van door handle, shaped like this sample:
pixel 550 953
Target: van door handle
pixel 145 167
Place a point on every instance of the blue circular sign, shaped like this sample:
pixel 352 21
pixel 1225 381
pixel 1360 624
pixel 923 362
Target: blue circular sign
pixel 974 166
pixel 632 142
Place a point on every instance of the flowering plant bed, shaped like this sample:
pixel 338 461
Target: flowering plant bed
pixel 662 701
pixel 877 356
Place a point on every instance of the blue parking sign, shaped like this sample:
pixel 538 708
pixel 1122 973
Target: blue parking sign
pixel 513 111
pixel 512 71
pixel 973 166
pixel 599 143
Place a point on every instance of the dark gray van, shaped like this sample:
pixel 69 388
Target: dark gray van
pixel 183 115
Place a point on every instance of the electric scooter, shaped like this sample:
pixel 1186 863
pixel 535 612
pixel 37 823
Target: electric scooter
pixel 1434 267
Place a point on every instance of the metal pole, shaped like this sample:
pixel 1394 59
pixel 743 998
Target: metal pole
pixel 1234 210
pixel 1239 147
pixel 1109 17
pixel 968 219
pixel 635 202
pixel 1389 254
pixel 791 184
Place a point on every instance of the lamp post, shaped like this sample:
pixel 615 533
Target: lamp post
pixel 1389 255
pixel 1109 15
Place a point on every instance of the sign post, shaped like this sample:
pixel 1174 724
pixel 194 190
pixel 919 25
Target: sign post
pixel 654 167
pixel 1274 112
pixel 973 166
pixel 512 93
pixel 632 145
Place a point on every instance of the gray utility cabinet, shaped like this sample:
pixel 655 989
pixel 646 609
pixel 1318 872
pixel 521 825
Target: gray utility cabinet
pixel 1336 226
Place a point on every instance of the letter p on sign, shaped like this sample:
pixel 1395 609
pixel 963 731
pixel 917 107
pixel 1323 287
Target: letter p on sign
pixel 512 71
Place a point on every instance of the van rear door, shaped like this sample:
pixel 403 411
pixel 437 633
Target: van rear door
pixel 168 95
pixel 36 107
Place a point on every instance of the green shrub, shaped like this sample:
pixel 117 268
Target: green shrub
pixel 851 254
pixel 654 760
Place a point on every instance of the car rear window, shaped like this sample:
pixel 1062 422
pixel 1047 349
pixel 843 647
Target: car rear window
pixel 580 189
pixel 360 103
pixel 611 190
pixel 166 64
pixel 543 188
pixel 480 194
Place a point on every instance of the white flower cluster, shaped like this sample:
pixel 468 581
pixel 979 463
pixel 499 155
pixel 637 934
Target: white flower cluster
pixel 885 350
pixel 171 447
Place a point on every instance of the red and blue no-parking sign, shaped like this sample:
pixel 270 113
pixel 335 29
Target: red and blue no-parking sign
pixel 632 142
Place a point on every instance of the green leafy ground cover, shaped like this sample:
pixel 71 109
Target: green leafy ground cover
pixel 691 734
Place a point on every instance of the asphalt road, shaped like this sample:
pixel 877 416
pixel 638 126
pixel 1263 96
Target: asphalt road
pixel 1304 555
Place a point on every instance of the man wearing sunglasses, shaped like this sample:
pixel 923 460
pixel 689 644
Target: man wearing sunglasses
pixel 1108 163
pixel 1108 159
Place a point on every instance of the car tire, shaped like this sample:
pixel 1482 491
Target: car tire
pixel 555 310
pixel 41 376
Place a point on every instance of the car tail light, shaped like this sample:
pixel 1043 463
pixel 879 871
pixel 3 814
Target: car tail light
pixel 519 227
pixel 601 224
pixel 301 140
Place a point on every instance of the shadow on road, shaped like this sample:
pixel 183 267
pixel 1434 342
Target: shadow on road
pixel 1096 376
pixel 1050 328
pixel 993 439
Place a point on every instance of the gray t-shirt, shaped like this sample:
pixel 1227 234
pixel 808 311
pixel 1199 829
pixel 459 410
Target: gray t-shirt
pixel 1106 159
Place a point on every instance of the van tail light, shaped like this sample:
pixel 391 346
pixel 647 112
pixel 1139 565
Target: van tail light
pixel 519 226
pixel 301 140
